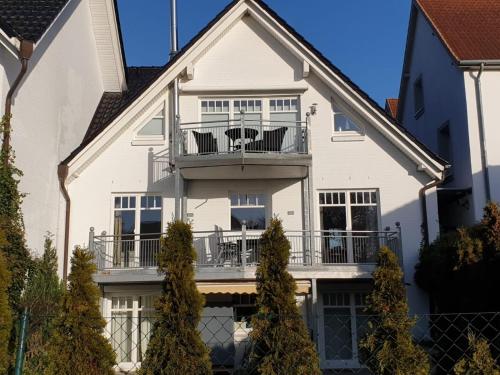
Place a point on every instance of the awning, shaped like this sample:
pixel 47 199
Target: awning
pixel 243 287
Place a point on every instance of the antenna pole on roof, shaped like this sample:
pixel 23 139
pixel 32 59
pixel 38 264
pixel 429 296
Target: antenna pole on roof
pixel 174 44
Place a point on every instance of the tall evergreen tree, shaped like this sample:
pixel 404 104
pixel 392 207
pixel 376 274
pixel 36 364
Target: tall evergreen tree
pixel 77 346
pixel 176 346
pixel 5 311
pixel 11 222
pixel 388 347
pixel 281 343
pixel 42 297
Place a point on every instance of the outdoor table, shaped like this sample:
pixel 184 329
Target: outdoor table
pixel 234 134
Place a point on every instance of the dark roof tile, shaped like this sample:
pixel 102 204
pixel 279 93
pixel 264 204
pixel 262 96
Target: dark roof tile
pixel 28 19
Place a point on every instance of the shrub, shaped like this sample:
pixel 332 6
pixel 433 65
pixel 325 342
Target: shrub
pixel 478 361
pixel 176 346
pixel 281 343
pixel 458 268
pixel 42 297
pixel 388 346
pixel 5 313
pixel 78 346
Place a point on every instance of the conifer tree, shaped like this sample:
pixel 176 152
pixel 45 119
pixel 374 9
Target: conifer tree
pixel 479 360
pixel 42 297
pixel 78 346
pixel 281 343
pixel 176 346
pixel 388 347
pixel 5 312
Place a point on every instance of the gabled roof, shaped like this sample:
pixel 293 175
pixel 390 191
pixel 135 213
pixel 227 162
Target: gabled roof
pixel 109 112
pixel 391 107
pixel 28 19
pixel 470 29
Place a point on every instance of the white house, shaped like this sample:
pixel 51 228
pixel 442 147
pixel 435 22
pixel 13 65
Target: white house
pixel 72 53
pixel 249 121
pixel 449 99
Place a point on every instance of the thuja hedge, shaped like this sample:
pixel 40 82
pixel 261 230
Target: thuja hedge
pixel 459 269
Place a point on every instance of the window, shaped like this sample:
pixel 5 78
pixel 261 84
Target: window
pixel 131 322
pixel 154 127
pixel 283 110
pixel 418 97
pixel 137 228
pixel 252 109
pixel 250 208
pixel 349 210
pixel 215 112
pixel 343 316
pixel 342 123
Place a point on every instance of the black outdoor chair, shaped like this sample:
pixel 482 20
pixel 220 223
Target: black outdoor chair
pixel 271 141
pixel 206 143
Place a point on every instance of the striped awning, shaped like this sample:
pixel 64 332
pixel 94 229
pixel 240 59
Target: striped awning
pixel 243 287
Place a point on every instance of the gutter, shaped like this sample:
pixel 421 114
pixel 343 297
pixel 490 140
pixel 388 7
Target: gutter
pixel 25 52
pixel 62 174
pixel 423 205
pixel 482 65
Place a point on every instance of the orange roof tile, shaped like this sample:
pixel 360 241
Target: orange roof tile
pixel 391 107
pixel 469 28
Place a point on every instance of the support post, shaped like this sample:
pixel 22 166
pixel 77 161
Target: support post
pixel 22 341
pixel 244 244
pixel 242 136
pixel 315 320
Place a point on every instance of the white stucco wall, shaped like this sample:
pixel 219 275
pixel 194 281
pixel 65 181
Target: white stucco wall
pixel 490 88
pixel 51 112
pixel 444 100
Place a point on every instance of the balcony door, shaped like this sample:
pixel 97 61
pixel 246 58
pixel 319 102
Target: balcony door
pixel 349 222
pixel 137 227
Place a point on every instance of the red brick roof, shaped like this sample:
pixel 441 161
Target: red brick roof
pixel 391 107
pixel 469 28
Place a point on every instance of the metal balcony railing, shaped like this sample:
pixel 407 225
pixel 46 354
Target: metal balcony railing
pixel 243 136
pixel 243 249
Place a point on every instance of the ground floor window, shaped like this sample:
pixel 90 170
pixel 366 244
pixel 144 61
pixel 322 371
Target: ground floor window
pixel 130 326
pixel 344 324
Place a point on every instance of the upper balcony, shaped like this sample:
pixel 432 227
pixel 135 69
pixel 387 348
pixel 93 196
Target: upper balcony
pixel 244 148
pixel 226 255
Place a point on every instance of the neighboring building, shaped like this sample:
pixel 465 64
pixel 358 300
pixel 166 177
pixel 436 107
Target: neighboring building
pixel 266 127
pixel 76 57
pixel 391 107
pixel 449 99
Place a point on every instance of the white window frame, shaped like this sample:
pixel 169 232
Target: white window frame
pixel 252 193
pixel 151 140
pixel 348 204
pixel 354 362
pixel 138 210
pixel 350 135
pixel 135 339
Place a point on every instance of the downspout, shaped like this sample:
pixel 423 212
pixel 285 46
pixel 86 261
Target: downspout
pixel 482 134
pixel 423 206
pixel 62 174
pixel 25 52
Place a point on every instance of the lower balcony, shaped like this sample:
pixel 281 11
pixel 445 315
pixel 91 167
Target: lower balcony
pixel 226 255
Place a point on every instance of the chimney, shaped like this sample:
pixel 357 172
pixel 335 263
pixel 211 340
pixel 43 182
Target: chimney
pixel 174 44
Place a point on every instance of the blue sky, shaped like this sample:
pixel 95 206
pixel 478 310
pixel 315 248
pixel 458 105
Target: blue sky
pixel 364 38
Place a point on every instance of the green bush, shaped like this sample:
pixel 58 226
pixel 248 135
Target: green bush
pixel 43 298
pixel 176 346
pixel 388 346
pixel 77 346
pixel 478 360
pixel 5 312
pixel 280 341
pixel 458 268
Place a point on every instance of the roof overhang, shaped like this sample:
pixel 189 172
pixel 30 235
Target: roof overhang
pixel 425 160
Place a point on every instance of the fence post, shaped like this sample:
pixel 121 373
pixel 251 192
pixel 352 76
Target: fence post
pixel 92 246
pixel 242 135
pixel 22 343
pixel 179 144
pixel 244 244
pixel 400 245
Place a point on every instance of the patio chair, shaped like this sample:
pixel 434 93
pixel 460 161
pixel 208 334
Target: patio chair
pixel 206 143
pixel 227 251
pixel 272 141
